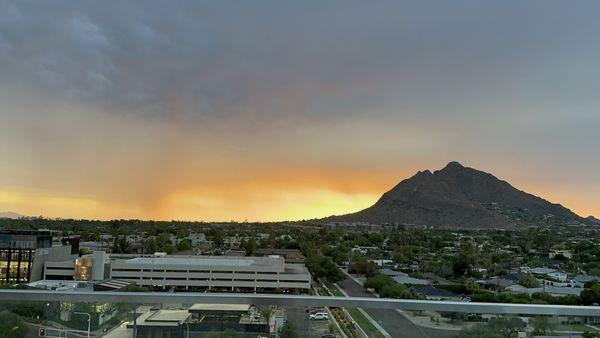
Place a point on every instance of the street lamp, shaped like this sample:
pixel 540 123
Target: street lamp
pixel 89 321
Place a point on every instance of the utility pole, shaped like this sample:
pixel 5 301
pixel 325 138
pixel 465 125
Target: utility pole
pixel 89 321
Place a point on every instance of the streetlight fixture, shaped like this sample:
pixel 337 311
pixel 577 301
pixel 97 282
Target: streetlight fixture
pixel 89 321
pixel 188 329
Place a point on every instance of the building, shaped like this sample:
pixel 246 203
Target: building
pixel 95 246
pixel 500 284
pixel 565 253
pixel 552 273
pixel 410 281
pixel 392 273
pixel 381 262
pixel 199 240
pixel 553 291
pixel 201 320
pixel 430 292
pixel 292 256
pixel 85 268
pixel 212 272
pixel 162 323
pixel 23 254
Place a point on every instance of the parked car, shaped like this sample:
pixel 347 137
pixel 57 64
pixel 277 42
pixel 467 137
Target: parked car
pixel 319 316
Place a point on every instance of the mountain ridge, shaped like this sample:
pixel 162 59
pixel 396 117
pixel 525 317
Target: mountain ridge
pixel 10 214
pixel 459 196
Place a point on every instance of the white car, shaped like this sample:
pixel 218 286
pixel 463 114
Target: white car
pixel 319 316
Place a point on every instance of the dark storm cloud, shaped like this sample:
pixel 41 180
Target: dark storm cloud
pixel 264 59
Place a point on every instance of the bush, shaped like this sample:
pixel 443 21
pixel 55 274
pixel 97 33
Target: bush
pixel 378 282
pixel 398 291
pixel 12 326
pixel 529 281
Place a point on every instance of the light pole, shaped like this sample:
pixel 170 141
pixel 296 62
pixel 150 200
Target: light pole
pixel 89 321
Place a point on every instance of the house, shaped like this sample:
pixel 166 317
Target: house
pixel 197 239
pixel 580 280
pixel 430 292
pixel 516 276
pixel 392 273
pixel 364 249
pixel 410 280
pixel 262 236
pixel 553 291
pixel 381 262
pixel 565 253
pixel 548 272
pixel 500 284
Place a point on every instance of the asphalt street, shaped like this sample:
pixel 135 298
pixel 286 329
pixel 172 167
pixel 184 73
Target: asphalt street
pixel 391 321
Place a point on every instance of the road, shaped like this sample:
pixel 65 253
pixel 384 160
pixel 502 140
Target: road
pixel 393 322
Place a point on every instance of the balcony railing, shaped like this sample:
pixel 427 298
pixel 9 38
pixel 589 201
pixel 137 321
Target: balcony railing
pixel 295 300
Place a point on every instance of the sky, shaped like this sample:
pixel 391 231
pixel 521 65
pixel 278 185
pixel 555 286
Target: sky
pixel 287 110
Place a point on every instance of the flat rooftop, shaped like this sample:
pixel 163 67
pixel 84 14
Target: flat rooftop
pixel 163 318
pixel 220 307
pixel 60 285
pixel 209 261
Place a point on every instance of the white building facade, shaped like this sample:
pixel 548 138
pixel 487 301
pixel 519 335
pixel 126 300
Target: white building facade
pixel 212 272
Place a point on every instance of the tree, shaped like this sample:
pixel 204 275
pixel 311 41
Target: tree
pixel 470 286
pixel 249 245
pixel 218 237
pixel 462 264
pixel 332 272
pixel 529 281
pixel 30 310
pixel 135 288
pixel 185 245
pixel 121 245
pixel 151 246
pixel 11 326
pixel 591 295
pixel 378 282
pixel 500 327
pixel 288 331
pixel 542 325
pixel 479 331
pixel 398 291
pixel 506 325
pixel 361 266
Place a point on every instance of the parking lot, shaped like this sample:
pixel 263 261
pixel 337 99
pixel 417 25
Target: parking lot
pixel 318 328
pixel 299 318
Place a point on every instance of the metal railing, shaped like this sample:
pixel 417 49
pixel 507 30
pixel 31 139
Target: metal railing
pixel 296 300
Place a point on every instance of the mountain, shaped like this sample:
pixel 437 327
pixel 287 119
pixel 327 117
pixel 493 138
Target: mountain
pixel 592 220
pixel 10 214
pixel 458 196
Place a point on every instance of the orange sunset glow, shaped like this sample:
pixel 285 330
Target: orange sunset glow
pixel 216 115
